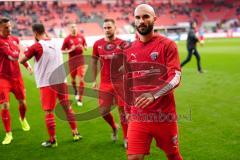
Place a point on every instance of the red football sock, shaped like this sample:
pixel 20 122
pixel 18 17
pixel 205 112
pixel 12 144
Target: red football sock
pixel 51 125
pixel 175 156
pixel 74 87
pixel 6 119
pixel 22 110
pixel 124 129
pixel 81 90
pixel 71 118
pixel 109 119
pixel 124 125
pixel 123 120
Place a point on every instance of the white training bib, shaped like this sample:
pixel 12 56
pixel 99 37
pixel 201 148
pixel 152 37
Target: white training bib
pixel 49 69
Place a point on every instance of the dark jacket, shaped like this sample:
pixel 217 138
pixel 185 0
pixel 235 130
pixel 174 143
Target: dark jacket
pixel 191 39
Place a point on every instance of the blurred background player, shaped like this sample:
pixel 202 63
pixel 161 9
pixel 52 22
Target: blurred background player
pixel 149 106
pixel 192 41
pixel 201 36
pixel 73 45
pixel 11 78
pixel 48 60
pixel 104 50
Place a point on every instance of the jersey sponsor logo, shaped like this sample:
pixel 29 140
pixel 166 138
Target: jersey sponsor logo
pixel 110 56
pixel 154 56
pixel 99 47
pixel 139 76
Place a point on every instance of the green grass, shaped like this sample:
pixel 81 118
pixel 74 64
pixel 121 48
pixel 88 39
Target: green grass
pixel 208 105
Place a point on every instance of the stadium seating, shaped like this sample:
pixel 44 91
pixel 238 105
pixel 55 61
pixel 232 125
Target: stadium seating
pixel 89 17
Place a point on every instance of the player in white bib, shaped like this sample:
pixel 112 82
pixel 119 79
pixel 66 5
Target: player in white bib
pixel 50 78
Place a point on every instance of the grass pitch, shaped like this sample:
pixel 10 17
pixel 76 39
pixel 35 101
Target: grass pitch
pixel 208 105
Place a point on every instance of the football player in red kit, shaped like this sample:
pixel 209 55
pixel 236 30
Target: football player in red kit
pixel 104 50
pixel 11 78
pixel 155 72
pixel 73 45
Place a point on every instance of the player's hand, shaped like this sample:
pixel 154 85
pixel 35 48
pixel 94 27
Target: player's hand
pixel 201 43
pixel 73 48
pixel 79 46
pixel 30 70
pixel 94 85
pixel 127 116
pixel 12 59
pixel 121 69
pixel 144 100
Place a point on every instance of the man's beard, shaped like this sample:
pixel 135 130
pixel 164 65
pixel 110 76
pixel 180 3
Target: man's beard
pixel 146 29
pixel 110 36
pixel 74 32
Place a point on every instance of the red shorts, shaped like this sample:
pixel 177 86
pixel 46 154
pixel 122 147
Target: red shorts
pixel 140 135
pixel 16 86
pixel 76 66
pixel 107 95
pixel 77 72
pixel 50 94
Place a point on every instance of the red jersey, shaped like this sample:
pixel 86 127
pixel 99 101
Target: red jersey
pixel 105 51
pixel 9 48
pixel 70 40
pixel 153 65
pixel 35 50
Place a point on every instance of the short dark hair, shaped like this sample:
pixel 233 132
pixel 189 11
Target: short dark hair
pixel 38 28
pixel 193 22
pixel 4 20
pixel 109 20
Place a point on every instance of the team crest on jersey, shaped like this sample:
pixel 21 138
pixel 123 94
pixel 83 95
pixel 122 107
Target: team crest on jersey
pixel 110 46
pixel 133 57
pixel 154 55
pixel 80 39
pixel 15 43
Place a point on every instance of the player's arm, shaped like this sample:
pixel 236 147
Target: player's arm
pixel 84 44
pixel 27 65
pixel 5 49
pixel 35 50
pixel 65 47
pixel 94 64
pixel 67 51
pixel 24 60
pixel 173 80
pixel 26 55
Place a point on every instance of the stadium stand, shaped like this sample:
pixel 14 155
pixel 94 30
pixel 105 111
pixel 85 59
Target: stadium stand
pixel 89 14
